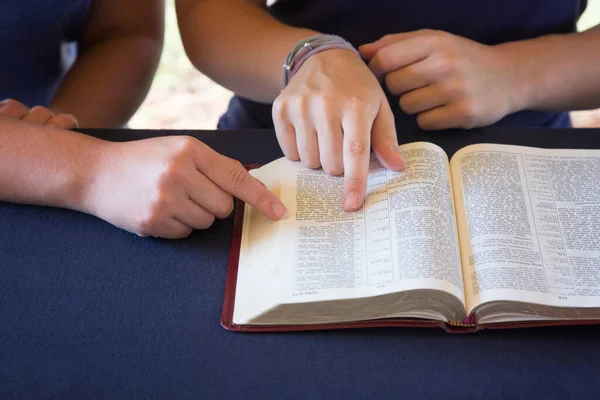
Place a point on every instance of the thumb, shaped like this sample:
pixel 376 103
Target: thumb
pixel 384 139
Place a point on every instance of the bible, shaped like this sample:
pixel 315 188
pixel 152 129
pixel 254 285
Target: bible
pixel 499 236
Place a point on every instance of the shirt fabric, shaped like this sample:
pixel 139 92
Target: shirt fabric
pixel 39 42
pixel 488 22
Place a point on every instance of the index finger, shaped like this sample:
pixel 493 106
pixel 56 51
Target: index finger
pixel 357 145
pixel 400 54
pixel 368 50
pixel 232 177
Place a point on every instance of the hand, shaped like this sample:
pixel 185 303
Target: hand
pixel 166 187
pixel 449 81
pixel 37 115
pixel 330 113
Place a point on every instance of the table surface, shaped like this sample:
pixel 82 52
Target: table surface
pixel 89 311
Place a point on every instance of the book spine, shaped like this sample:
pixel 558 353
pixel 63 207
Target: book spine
pixel 468 324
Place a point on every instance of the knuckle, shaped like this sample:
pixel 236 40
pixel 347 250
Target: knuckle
pixel 457 88
pixel 207 221
pixel 389 81
pixel 225 208
pixel 436 33
pixel 145 228
pixel 149 225
pixel 435 38
pixel 326 108
pixel 239 165
pixel 279 107
pixel 312 163
pixel 159 204
pixel 377 58
pixel 237 175
pixel 335 169
pixel 183 234
pixel 11 103
pixel 291 152
pixel 171 172
pixel 41 110
pixel 324 101
pixel 443 64
pixel 151 220
pixel 406 104
pixel 356 104
pixel 381 59
pixel 9 109
pixel 425 123
pixel 449 62
pixel 467 113
pixel 356 148
pixel 300 104
pixel 64 121
pixel 187 144
pixel 70 121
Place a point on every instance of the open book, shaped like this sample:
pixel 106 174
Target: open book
pixel 499 236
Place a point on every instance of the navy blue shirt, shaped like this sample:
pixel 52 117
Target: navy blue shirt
pixel 38 44
pixel 489 22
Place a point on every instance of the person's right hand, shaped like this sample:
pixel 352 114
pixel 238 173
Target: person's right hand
pixel 37 115
pixel 330 114
pixel 168 186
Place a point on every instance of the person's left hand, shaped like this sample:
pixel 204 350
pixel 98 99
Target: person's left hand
pixel 37 115
pixel 449 81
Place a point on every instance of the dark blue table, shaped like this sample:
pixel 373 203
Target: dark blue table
pixel 89 311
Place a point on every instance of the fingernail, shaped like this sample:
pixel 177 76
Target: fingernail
pixel 280 211
pixel 401 163
pixel 351 201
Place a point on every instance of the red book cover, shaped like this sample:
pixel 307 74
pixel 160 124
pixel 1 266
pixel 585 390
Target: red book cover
pixel 467 326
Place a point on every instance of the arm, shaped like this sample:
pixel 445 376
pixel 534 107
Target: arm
pixel 164 186
pixel 558 72
pixel 453 82
pixel 238 44
pixel 118 56
pixel 331 111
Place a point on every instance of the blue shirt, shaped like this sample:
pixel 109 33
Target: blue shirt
pixel 38 44
pixel 485 21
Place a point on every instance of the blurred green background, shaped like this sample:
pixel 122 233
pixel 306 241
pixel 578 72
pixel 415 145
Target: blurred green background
pixel 183 98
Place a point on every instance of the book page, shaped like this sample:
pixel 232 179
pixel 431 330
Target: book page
pixel 529 224
pixel 403 238
pixel 258 283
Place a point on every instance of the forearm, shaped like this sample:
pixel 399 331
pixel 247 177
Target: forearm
pixel 45 166
pixel 557 72
pixel 109 81
pixel 238 44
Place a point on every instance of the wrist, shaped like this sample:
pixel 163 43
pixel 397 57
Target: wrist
pixel 517 83
pixel 528 68
pixel 87 175
pixel 308 48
